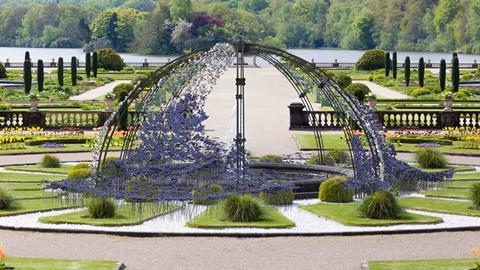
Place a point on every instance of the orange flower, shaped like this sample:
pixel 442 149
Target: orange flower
pixel 2 253
pixel 476 251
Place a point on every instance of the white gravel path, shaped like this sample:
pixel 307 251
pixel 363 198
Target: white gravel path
pixel 98 92
pixel 383 92
pixel 306 222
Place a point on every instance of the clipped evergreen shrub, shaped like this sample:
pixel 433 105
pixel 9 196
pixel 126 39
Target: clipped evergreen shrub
pixel 420 92
pixel 73 71
pixel 339 155
pixel 429 158
pixel 442 74
pixel 317 160
pixel 343 80
pixel 421 72
pixel 203 195
pixel 475 195
pixel 407 71
pixel 242 208
pixel 27 76
pixel 109 59
pixel 3 71
pixel 60 71
pixel 121 91
pixel 101 208
pixel 394 65
pixel 40 75
pixel 88 64
pixel 50 161
pixel 95 64
pixel 380 205
pixel 271 158
pixel 79 173
pixel 334 190
pixel 371 60
pixel 359 90
pixel 455 74
pixel 6 200
pixel 388 64
pixel 279 197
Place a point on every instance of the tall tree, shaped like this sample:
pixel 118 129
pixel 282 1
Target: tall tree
pixel 455 74
pixel 394 65
pixel 88 64
pixel 40 75
pixel 388 64
pixel 73 71
pixel 442 74
pixel 60 71
pixel 407 71
pixel 421 72
pixel 27 76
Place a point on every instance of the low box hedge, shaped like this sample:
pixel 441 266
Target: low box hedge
pixel 424 140
pixel 56 140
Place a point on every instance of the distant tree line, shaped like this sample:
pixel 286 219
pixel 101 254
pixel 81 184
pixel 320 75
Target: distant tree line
pixel 172 26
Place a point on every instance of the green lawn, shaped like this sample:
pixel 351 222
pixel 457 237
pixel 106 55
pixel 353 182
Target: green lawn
pixel 456 168
pixel 64 169
pixel 32 194
pixel 28 177
pixel 21 186
pixel 213 218
pixel 444 264
pixel 467 176
pixel 38 149
pixel 336 141
pixel 31 206
pixel 348 214
pixel 55 264
pixel 459 184
pixel 440 206
pixel 125 215
pixel 448 193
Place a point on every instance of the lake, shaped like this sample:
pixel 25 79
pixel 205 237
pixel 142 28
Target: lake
pixel 319 55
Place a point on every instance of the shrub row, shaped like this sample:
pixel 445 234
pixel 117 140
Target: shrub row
pixel 56 140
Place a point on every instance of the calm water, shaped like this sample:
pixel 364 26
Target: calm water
pixel 319 55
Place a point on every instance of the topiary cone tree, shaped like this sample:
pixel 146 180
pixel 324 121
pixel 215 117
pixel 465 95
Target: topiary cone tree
pixel 442 74
pixel 394 65
pixel 27 76
pixel 27 56
pixel 421 72
pixel 74 71
pixel 88 64
pixel 95 64
pixel 40 75
pixel 407 71
pixel 455 74
pixel 388 64
pixel 60 71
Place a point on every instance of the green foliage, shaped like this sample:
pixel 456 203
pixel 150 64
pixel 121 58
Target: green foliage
pixel 339 155
pixel 407 71
pixel 73 67
pixel 27 76
pixel 201 195
pixel 280 197
pixel 109 59
pixel 50 161
pixel 270 158
pixel 101 208
pixel 316 159
pixel 6 200
pixel 3 71
pixel 371 60
pixel 60 72
pixel 359 90
pixel 381 205
pixel 430 158
pixel 420 92
pixel 455 74
pixel 81 165
pixel 242 208
pixel 394 65
pixel 88 64
pixel 334 190
pixel 40 75
pixel 388 64
pixel 121 91
pixel 443 74
pixel 421 72
pixel 343 80
pixel 475 195
pixel 79 173
pixel 95 64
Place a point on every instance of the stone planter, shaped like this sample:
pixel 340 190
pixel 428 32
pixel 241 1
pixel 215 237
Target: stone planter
pixel 448 104
pixel 109 104
pixel 372 103
pixel 34 105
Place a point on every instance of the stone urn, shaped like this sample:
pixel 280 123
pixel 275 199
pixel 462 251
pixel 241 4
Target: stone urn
pixel 448 104
pixel 372 103
pixel 34 105
pixel 109 105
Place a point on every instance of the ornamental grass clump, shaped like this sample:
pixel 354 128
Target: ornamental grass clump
pixel 50 161
pixel 334 190
pixel 101 208
pixel 475 195
pixel 242 208
pixel 429 158
pixel 6 200
pixel 380 205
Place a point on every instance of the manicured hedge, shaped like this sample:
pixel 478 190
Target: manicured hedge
pixel 425 140
pixel 60 141
pixel 371 60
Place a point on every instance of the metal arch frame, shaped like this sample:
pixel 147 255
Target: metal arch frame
pixel 326 84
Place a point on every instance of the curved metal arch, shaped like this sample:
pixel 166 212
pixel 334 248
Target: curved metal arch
pixel 327 85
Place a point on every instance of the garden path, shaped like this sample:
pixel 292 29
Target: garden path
pixel 98 92
pixel 383 92
pixel 328 252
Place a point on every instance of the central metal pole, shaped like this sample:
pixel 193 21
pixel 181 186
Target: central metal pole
pixel 240 111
